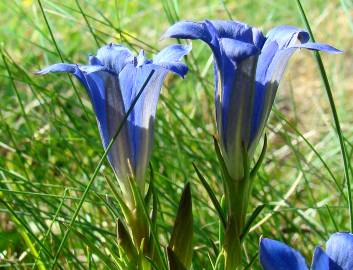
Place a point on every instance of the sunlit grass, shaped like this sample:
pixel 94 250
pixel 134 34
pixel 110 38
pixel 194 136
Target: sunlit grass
pixel 49 141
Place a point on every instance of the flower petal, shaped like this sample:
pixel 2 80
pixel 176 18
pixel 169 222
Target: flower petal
pixel 188 30
pixel 270 68
pixel 169 58
pixel 317 47
pixel 60 67
pixel 103 88
pixel 142 118
pixel 115 57
pixel 340 249
pixel 236 110
pixel 239 31
pixel 93 60
pixel 172 53
pixel 275 255
pixel 286 35
pixel 238 50
pixel 176 67
pixel 323 262
pixel 281 43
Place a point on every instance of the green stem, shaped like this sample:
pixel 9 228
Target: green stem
pixel 97 170
pixel 335 116
pixel 237 195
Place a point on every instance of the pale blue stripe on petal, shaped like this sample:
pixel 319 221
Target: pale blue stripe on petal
pixel 172 53
pixel 323 262
pixel 339 248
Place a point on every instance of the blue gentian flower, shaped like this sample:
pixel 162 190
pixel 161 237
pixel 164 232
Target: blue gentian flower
pixel 275 255
pixel 112 79
pixel 248 68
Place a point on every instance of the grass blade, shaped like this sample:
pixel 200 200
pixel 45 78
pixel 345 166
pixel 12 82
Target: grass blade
pixel 334 114
pixel 212 196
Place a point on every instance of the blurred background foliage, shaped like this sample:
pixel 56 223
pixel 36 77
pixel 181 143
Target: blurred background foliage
pixel 49 142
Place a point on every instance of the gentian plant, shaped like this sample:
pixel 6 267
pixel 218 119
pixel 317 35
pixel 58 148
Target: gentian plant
pixel 113 80
pixel 248 67
pixel 275 255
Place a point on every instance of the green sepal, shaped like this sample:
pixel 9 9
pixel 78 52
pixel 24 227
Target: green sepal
pixel 150 187
pixel 181 239
pixel 260 160
pixel 220 158
pixel 116 193
pixel 125 241
pixel 143 224
pixel 138 219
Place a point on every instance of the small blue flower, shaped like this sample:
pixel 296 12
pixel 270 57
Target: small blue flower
pixel 248 68
pixel 112 79
pixel 275 255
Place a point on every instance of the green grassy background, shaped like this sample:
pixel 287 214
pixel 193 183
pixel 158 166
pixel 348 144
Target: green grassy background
pixel 49 142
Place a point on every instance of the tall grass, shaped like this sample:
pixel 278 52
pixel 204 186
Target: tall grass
pixel 50 146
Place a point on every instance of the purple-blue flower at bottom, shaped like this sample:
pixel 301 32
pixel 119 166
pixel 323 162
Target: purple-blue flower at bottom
pixel 274 255
pixel 113 79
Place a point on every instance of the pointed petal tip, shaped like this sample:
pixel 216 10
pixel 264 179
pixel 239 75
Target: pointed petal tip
pixel 38 72
pixel 316 46
pixel 59 67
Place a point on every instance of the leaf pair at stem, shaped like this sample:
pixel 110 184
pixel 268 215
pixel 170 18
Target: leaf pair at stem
pixel 232 216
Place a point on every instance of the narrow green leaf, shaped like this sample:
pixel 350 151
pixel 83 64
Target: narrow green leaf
pixel 251 219
pixel 221 159
pixel 212 196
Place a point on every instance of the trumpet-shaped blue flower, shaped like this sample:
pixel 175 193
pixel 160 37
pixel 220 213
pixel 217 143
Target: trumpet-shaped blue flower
pixel 275 255
pixel 248 68
pixel 112 79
